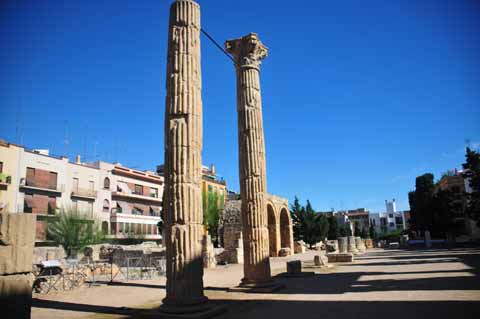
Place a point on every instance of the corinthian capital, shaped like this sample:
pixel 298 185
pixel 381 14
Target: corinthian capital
pixel 248 51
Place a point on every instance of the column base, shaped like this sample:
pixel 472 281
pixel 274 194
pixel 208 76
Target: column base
pixel 202 310
pixel 257 287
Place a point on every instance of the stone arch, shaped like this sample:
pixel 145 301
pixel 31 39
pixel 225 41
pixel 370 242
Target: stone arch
pixel 286 231
pixel 273 231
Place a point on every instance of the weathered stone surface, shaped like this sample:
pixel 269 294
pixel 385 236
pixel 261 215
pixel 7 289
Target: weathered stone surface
pixel 209 261
pixel 340 258
pixel 294 267
pixel 48 253
pixel 342 245
pixel 248 52
pixel 320 260
pixel 359 244
pixel 300 247
pixel 16 295
pixel 17 238
pixel 284 252
pixel 231 233
pixel 369 243
pixel 351 245
pixel 183 163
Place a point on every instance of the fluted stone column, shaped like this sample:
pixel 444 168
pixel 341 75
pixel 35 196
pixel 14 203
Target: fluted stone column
pixel 183 163
pixel 248 52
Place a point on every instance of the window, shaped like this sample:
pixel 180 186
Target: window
pixel 391 224
pixel 390 215
pixel 30 178
pixel 1 167
pixel 154 192
pixel 52 205
pixel 137 211
pixel 383 221
pixel 28 204
pixel 138 189
pixel 398 220
pixel 210 188
pixel 91 185
pixel 119 208
pixel 106 183
pixel 106 205
pixel 53 180
pixel 75 184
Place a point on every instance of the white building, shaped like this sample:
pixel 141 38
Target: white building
pixel 389 221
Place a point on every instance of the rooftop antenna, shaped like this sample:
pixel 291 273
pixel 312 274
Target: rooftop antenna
pixel 66 141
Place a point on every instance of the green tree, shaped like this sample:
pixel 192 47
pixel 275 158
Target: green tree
pixel 333 228
pixel 308 225
pixel 356 229
pixel 364 233
pixel 211 214
pixel 74 231
pixel 372 233
pixel 472 174
pixel 423 202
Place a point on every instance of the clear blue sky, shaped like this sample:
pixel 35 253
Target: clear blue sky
pixel 359 96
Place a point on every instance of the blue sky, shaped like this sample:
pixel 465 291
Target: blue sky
pixel 359 97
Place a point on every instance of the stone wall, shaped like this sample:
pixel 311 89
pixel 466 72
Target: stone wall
pixel 17 238
pixel 230 231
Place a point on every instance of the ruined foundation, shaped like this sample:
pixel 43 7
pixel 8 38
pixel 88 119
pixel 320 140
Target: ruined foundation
pixel 17 238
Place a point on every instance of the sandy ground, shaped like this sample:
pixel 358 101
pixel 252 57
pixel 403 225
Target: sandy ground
pixel 381 283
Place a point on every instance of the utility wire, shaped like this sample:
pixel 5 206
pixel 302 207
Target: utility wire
pixel 218 45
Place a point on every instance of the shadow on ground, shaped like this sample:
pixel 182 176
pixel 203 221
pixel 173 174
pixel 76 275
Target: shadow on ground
pixel 467 279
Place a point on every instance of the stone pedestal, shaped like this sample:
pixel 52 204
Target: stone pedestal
pixel 299 247
pixel 247 53
pixel 294 267
pixel 17 238
pixel 320 260
pixel 209 261
pixel 340 258
pixel 183 166
pixel 351 245
pixel 343 245
pixel 360 245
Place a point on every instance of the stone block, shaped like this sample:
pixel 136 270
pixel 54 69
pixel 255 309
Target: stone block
pixel 299 247
pixel 342 244
pixel 17 239
pixel 294 267
pixel 351 245
pixel 340 258
pixel 284 252
pixel 320 260
pixel 16 296
pixel 369 243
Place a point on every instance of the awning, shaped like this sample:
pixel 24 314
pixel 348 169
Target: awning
pixel 124 187
pixel 52 203
pixel 125 207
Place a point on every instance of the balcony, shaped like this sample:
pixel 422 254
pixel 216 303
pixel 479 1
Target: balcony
pixel 84 193
pixel 5 180
pixel 150 198
pixel 35 186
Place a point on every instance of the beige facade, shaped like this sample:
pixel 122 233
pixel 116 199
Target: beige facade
pixel 125 202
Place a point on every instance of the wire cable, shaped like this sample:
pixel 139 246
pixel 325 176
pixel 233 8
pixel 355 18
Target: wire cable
pixel 218 45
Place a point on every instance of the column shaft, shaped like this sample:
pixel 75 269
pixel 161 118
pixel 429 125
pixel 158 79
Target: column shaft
pixel 183 146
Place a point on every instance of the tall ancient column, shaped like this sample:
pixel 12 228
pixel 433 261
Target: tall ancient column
pixel 183 163
pixel 248 52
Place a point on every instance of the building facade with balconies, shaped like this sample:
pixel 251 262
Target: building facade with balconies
pixel 124 201
pixel 132 199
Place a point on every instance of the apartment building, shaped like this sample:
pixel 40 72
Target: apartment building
pixel 211 184
pixel 124 201
pixel 389 221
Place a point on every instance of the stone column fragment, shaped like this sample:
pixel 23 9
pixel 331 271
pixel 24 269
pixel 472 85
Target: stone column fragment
pixel 248 52
pixel 183 146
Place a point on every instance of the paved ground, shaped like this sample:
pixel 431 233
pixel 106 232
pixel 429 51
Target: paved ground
pixel 382 283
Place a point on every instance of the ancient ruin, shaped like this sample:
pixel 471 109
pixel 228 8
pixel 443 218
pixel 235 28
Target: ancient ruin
pixel 17 238
pixel 184 229
pixel 248 52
